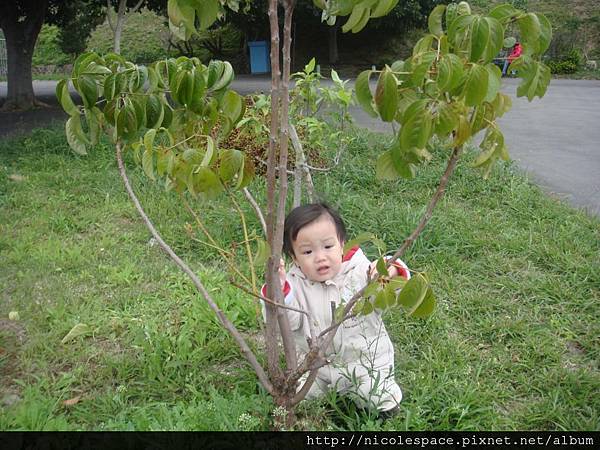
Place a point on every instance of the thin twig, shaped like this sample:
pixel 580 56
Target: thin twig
pixel 229 326
pixel 257 209
pixel 407 243
pixel 246 240
pixel 267 300
pixel 224 254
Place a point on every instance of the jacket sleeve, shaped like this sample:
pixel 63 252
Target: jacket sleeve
pixel 402 268
pixel 289 299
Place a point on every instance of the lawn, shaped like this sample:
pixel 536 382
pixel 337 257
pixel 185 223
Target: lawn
pixel 514 343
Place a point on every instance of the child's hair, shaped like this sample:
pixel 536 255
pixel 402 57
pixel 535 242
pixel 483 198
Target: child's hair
pixel 304 215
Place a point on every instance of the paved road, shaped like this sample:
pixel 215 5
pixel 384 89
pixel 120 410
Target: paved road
pixel 556 140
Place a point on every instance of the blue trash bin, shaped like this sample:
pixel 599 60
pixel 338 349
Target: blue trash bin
pixel 259 57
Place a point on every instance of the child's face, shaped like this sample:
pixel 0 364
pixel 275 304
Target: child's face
pixel 318 251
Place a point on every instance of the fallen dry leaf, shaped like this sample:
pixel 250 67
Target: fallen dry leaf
pixel 16 177
pixel 72 401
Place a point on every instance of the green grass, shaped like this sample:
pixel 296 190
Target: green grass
pixel 514 342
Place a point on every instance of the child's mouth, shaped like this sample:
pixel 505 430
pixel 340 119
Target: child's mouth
pixel 322 270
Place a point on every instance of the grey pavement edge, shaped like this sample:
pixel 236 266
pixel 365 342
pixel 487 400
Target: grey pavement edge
pixel 556 139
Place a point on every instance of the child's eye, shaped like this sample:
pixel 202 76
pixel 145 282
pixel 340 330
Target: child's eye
pixel 329 246
pixel 307 252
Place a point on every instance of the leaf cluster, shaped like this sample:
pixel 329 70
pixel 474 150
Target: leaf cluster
pixel 449 87
pixel 172 114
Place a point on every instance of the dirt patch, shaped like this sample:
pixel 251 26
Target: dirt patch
pixel 12 338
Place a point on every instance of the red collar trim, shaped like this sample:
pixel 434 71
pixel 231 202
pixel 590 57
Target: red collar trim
pixel 348 256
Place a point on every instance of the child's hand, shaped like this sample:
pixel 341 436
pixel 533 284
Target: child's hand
pixel 282 277
pixel 392 270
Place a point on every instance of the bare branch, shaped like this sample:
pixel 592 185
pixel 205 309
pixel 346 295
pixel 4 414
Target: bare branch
pixel 136 7
pixel 406 244
pixel 257 209
pixel 301 161
pixel 108 12
pixel 267 300
pixel 230 327
pixel 271 275
pixel 289 346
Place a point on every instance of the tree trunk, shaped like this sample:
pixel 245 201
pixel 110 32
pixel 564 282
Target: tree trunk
pixel 332 44
pixel 119 27
pixel 21 24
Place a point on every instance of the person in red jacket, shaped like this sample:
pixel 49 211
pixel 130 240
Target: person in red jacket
pixel 516 52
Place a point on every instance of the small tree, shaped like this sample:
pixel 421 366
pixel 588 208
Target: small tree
pixel 448 89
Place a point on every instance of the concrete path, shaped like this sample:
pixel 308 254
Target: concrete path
pixel 556 139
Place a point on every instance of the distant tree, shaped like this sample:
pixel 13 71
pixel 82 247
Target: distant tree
pixel 21 22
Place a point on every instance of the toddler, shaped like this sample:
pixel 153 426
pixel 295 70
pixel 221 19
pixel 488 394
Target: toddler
pixel 323 277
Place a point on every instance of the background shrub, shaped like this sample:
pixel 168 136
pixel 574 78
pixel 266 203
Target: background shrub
pixel 144 37
pixel 47 48
pixel 567 64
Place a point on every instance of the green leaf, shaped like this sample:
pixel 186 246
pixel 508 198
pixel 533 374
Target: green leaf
pixel 480 34
pixel 153 80
pixel 383 7
pixel 207 11
pixel 149 139
pixel 355 18
pixel 94 119
pixel 381 269
pixel 502 103
pixel 545 34
pixel 457 30
pixel 197 99
pixel 181 14
pixel 88 90
pixel 365 237
pixel 185 88
pixel 423 45
pixel 421 64
pixel 404 168
pixel 435 20
pixel 451 14
pixel 81 329
pixel 225 77
pixel 310 66
pixel 363 93
pixel 413 293
pixel 450 72
pixel 383 299
pixel 247 174
pixel 263 251
pixel 110 86
pixel 148 160
pixel 62 93
pixel 76 138
pixel 231 162
pixel 363 308
pixel 504 13
pixel 530 30
pixel 425 309
pixel 417 127
pixel 154 111
pixel 463 131
pixel 446 119
pixel 476 85
pixel 385 169
pixel 215 72
pixel 494 82
pixel 386 95
pixel 536 77
pixel 209 154
pixel 233 106
pixel 206 182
